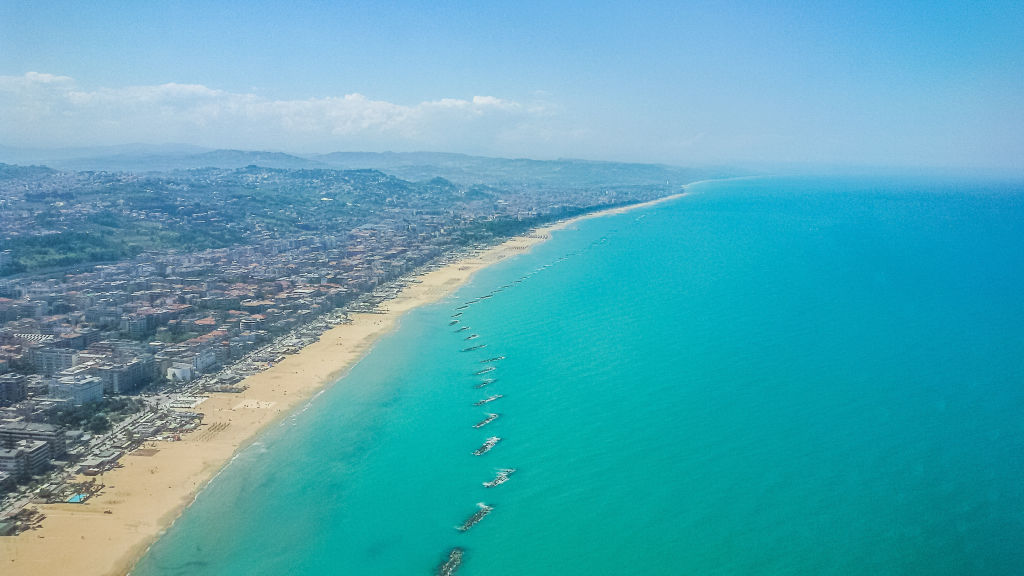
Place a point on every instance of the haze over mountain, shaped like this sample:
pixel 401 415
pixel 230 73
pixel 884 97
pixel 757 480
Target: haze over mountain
pixel 414 166
pixel 149 158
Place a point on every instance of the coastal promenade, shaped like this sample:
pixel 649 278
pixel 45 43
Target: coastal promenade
pixel 108 533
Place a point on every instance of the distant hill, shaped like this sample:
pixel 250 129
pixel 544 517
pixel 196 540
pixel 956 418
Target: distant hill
pixel 24 172
pixel 146 159
pixel 413 166
pixel 127 157
pixel 241 158
pixel 466 169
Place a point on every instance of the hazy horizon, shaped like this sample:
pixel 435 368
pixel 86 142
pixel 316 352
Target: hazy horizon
pixel 122 157
pixel 920 85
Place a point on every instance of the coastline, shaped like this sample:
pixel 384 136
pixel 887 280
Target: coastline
pixel 109 533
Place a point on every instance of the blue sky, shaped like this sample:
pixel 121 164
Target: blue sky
pixel 928 84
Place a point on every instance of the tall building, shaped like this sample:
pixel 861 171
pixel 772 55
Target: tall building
pixel 52 360
pixel 12 388
pixel 123 378
pixel 25 458
pixel 12 432
pixel 79 389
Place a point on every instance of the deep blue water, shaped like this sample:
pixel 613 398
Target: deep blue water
pixel 775 376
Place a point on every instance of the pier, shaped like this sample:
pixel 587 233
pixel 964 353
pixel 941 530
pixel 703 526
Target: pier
pixel 452 564
pixel 488 399
pixel 490 418
pixel 486 446
pixel 476 518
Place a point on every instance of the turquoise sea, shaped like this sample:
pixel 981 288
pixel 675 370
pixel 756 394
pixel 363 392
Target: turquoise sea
pixel 767 376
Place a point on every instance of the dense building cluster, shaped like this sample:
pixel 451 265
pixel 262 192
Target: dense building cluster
pixel 114 284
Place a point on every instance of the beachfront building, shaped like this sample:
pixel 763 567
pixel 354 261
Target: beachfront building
pixel 179 372
pixel 25 458
pixel 128 376
pixel 12 432
pixel 97 463
pixel 79 389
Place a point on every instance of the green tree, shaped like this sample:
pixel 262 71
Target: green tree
pixel 99 423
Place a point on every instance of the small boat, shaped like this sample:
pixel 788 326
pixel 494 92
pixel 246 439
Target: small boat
pixel 484 371
pixel 495 359
pixel 488 399
pixel 490 418
pixel 463 328
pixel 452 563
pixel 477 347
pixel 501 478
pixel 457 314
pixel 483 511
pixel 472 337
pixel 453 322
pixel 463 307
pixel 486 446
pixel 485 382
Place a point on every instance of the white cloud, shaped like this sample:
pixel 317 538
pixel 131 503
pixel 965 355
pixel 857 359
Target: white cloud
pixel 31 79
pixel 39 109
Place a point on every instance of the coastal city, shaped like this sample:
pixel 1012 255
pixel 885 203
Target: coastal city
pixel 511 288
pixel 126 300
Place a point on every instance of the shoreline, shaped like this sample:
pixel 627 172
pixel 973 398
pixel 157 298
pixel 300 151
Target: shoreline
pixel 110 532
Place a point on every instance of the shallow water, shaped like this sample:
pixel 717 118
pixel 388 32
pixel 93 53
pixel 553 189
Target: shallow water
pixel 804 376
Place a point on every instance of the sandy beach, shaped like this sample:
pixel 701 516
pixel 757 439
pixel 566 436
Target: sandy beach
pixel 108 533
